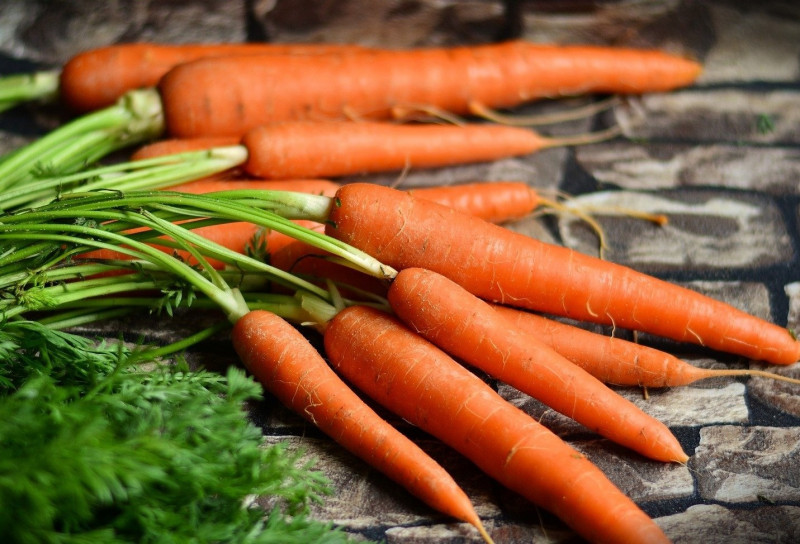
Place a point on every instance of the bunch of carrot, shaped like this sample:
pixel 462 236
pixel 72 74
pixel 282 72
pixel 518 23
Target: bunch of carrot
pixel 452 272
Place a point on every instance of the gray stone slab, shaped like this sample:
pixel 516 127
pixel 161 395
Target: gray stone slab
pixel 735 464
pixel 27 26
pixel 733 59
pixel 653 166
pixel 720 115
pixel 714 524
pixel 705 230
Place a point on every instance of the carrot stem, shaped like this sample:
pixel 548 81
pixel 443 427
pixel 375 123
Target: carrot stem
pixel 18 88
pixel 136 117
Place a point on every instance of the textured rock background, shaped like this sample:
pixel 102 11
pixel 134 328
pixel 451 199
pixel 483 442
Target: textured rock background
pixel 720 159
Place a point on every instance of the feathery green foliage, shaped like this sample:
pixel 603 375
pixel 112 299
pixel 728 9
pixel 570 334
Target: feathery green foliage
pixel 98 450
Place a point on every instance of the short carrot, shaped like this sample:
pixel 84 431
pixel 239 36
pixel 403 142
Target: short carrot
pixel 290 368
pixel 373 84
pixel 411 377
pixel 507 267
pixel 469 329
pixel 96 78
pixel 310 149
pixel 617 361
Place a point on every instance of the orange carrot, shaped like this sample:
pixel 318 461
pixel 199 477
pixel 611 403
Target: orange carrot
pixel 618 361
pixel 493 201
pixel 308 149
pixel 375 83
pixel 411 377
pixel 300 258
pixel 500 265
pixel 291 369
pixel 97 78
pixel 468 328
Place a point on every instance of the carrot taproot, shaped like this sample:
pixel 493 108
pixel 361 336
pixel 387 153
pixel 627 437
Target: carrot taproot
pixel 618 361
pixel 468 328
pixel 96 78
pixel 372 84
pixel 417 381
pixel 291 369
pixel 308 149
pixel 503 266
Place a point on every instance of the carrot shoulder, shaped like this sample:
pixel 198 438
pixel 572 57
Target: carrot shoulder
pixel 507 267
pixel 414 379
pixel 290 368
pixel 376 83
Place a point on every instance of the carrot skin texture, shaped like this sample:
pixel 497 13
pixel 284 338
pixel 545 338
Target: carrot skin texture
pixel 369 84
pixel 96 78
pixel 502 266
pixel 291 369
pixel 612 360
pixel 411 377
pixel 493 201
pixel 468 328
pixel 308 149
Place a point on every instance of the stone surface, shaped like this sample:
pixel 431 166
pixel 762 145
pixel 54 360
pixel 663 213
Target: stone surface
pixel 721 159
pixel 705 229
pixel 654 166
pixel 715 524
pixel 743 465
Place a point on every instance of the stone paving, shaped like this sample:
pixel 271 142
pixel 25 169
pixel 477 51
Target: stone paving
pixel 721 159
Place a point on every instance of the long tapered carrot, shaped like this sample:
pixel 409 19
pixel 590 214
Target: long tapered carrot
pixel 290 368
pixel 369 84
pixel 411 377
pixel 468 328
pixel 503 266
pixel 617 361
pixel 307 149
pixel 96 78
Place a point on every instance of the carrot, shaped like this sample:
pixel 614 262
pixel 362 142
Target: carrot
pixel 615 360
pixel 468 328
pixel 411 377
pixel 372 84
pixel 290 368
pixel 493 201
pixel 500 265
pixel 300 258
pixel 96 78
pixel 309 149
